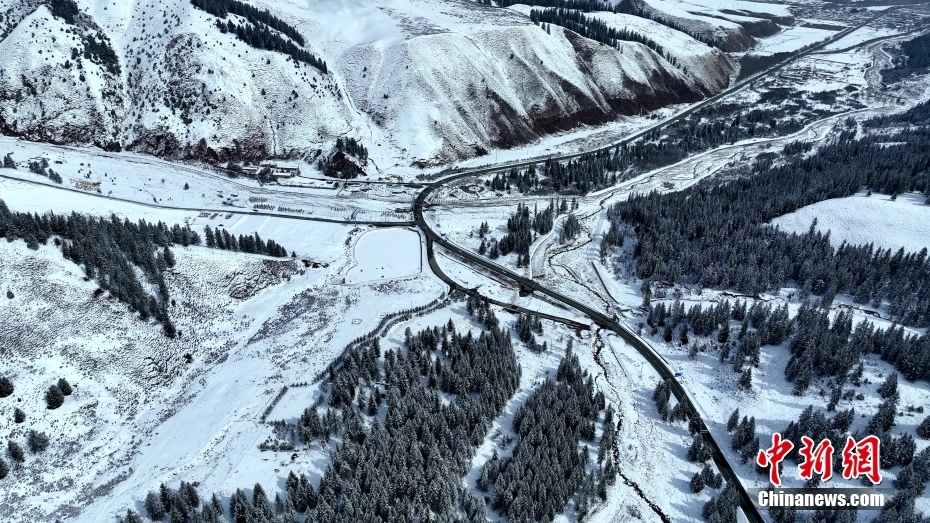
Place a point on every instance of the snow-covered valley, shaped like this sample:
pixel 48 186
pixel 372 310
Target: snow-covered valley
pixel 548 241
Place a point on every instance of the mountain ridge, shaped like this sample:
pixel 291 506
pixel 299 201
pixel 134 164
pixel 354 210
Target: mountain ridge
pixel 432 81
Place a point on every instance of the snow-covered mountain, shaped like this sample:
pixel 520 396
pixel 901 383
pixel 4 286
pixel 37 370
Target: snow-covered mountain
pixel 422 82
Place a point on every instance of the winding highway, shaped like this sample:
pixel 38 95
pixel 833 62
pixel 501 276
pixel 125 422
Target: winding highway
pixel 602 320
pixel 598 317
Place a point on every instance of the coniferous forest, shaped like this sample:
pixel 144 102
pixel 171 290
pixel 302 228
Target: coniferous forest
pixel 110 251
pixel 716 234
pixel 705 129
pixel 915 59
pixel 550 464
pixel 403 425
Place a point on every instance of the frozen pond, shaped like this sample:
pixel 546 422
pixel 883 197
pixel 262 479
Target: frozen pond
pixel 383 254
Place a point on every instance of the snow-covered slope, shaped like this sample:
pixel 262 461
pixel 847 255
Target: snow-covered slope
pixel 49 92
pixel 708 67
pixel 731 24
pixel 421 82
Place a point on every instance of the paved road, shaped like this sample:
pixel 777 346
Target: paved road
pixel 227 210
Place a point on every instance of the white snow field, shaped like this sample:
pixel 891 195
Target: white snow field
pixel 386 253
pixel 860 219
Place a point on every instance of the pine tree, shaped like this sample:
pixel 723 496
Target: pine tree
pixel 65 387
pixel 169 257
pixel 37 441
pixel 54 398
pixel 239 507
pixel 884 418
pixel 906 446
pixel 262 511
pixel 733 420
pixel 6 387
pixel 699 451
pixel 16 451
pixel 18 415
pixel 834 398
pixel 210 239
pixel 889 387
pixel 697 482
pixel 745 380
pixel 923 430
pixel 154 507
pixel 4 468
pixel 707 474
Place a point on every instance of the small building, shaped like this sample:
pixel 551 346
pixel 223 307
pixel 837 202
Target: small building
pixel 283 169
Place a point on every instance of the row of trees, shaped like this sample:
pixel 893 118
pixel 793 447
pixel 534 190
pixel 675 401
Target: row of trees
pixel 42 169
pixel 261 37
pixel 626 7
pixel 221 8
pixel 55 395
pixel 586 6
pixel 596 29
pixel 252 244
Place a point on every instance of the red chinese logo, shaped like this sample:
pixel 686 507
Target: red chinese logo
pixel 773 456
pixel 819 459
pixel 861 459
